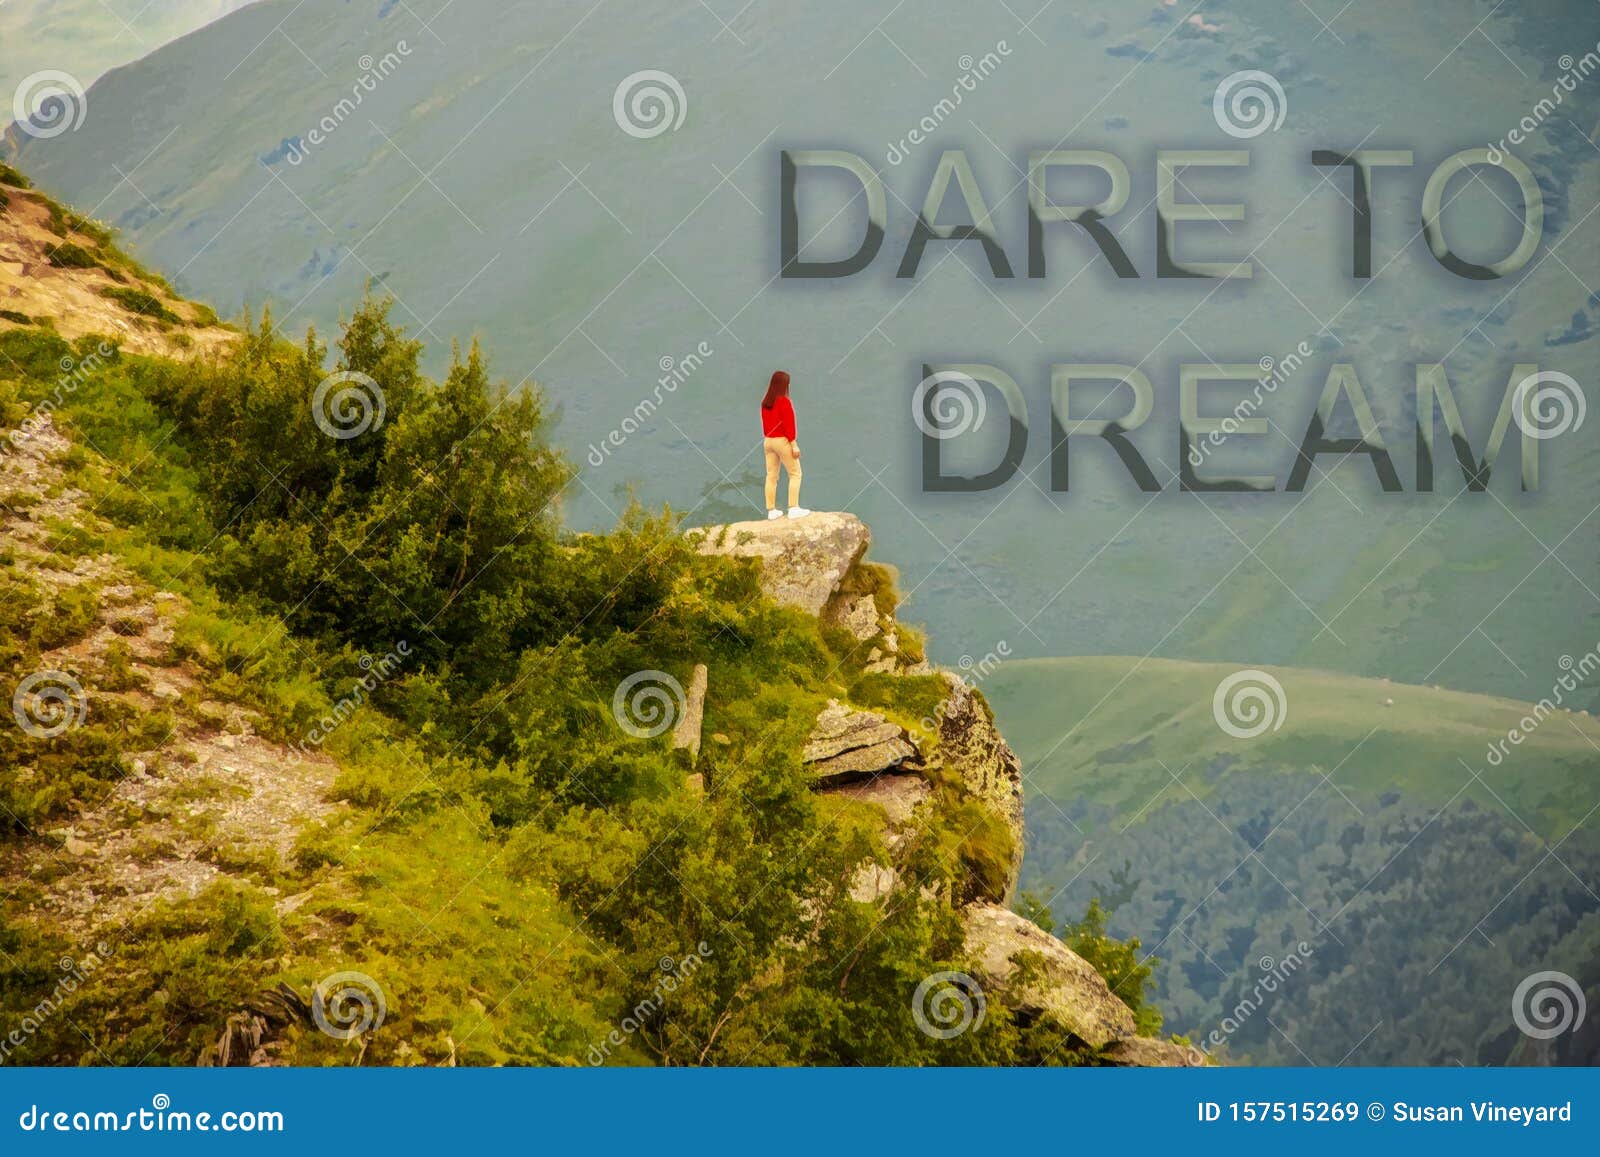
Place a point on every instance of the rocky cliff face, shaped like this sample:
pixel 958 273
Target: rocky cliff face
pixel 817 565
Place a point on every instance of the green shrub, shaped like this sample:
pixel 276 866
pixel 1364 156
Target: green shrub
pixel 141 302
pixel 66 255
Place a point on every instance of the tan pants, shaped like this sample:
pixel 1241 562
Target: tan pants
pixel 780 452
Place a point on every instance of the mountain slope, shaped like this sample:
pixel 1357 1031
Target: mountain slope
pixel 484 180
pixel 1108 730
pixel 329 744
pixel 1359 884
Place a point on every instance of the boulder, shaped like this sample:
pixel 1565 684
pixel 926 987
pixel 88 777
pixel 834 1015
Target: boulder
pixel 1057 984
pixel 686 735
pixel 872 882
pixel 847 745
pixel 803 560
pixel 898 795
pixel 1146 1052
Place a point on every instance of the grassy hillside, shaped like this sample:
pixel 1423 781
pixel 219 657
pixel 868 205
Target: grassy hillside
pixel 1109 730
pixel 1356 841
pixel 313 693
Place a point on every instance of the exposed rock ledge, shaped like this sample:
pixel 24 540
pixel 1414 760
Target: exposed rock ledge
pixel 804 559
pixel 848 745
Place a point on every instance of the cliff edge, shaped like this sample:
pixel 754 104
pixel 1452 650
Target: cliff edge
pixel 953 757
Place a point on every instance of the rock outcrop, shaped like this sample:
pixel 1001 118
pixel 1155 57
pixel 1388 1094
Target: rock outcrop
pixel 847 745
pixel 805 560
pixel 686 735
pixel 971 745
pixel 815 564
pixel 1038 976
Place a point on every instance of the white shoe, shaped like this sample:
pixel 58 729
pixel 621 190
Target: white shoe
pixel 771 514
pixel 796 512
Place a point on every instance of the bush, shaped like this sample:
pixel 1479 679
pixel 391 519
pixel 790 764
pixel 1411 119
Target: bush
pixel 66 255
pixel 141 302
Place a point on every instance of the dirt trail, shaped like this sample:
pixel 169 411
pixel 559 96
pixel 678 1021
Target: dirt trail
pixel 211 799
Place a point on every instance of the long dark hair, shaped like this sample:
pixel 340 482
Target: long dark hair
pixel 777 388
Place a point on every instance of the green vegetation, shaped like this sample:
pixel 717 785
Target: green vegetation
pixel 141 302
pixel 1130 720
pixel 512 867
pixel 1412 882
pixel 66 255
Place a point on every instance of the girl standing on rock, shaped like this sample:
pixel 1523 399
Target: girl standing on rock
pixel 778 440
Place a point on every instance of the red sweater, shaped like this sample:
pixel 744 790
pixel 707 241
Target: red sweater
pixel 778 422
